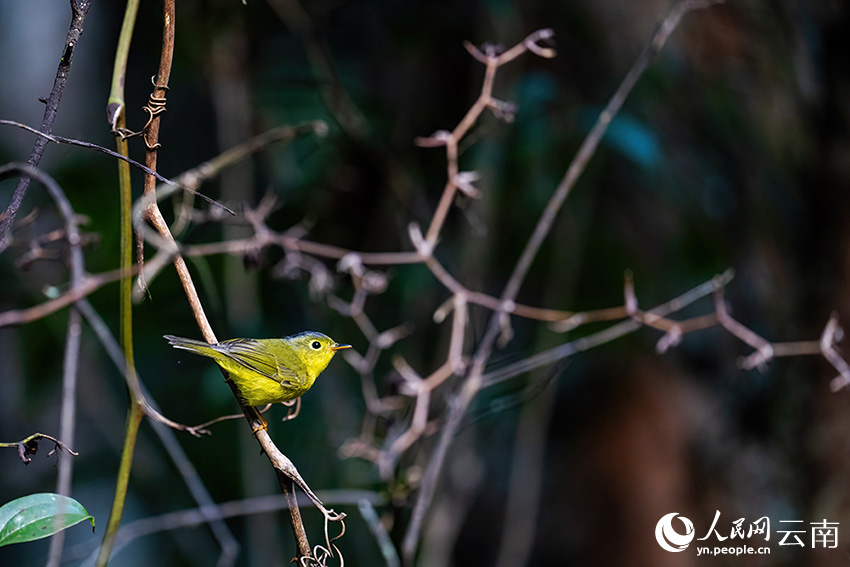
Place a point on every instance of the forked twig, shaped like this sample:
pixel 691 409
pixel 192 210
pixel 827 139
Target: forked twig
pixel 29 446
pixel 498 320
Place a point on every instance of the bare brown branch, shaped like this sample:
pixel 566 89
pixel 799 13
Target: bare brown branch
pixel 79 11
pixel 29 446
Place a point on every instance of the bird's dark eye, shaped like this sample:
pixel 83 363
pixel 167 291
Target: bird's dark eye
pixel 316 345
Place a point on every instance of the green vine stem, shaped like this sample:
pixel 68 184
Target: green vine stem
pixel 117 118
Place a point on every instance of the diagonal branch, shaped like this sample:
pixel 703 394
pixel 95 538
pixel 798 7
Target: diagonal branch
pixel 286 472
pixel 79 11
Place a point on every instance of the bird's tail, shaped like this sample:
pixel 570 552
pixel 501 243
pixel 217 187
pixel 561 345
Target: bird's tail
pixel 198 347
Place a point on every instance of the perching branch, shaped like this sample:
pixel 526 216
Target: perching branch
pixel 286 471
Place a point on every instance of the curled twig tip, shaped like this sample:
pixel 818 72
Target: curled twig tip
pixel 320 128
pixel 507 330
pixel 423 247
pixel 838 383
pixel 671 338
pixel 568 324
pixel 631 301
pixel 721 280
pixel 412 380
pixel 351 263
pixel 435 140
pixel 758 359
pixel 464 181
pixel 531 43
pixel 391 336
pixel 474 51
pixel 503 110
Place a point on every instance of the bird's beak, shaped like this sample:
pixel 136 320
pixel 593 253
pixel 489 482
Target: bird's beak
pixel 340 347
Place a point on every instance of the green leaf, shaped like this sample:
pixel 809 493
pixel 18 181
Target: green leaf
pixel 39 515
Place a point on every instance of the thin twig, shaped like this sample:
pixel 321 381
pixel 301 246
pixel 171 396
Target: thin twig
pixel 496 327
pixel 29 446
pixel 197 176
pixel 606 335
pixel 286 472
pixel 90 284
pixel 71 357
pixel 72 142
pixel 164 429
pixel 79 11
pixel 115 353
pixel 192 517
pixel 379 531
pixel 81 283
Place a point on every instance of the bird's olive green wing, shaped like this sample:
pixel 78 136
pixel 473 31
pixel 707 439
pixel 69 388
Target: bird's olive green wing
pixel 255 355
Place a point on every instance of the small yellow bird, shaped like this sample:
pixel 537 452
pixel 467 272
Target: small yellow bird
pixel 268 371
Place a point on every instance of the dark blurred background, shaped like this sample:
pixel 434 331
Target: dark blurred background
pixel 732 151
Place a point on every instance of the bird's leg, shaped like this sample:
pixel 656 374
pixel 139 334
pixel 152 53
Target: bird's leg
pixel 263 426
pixel 292 413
